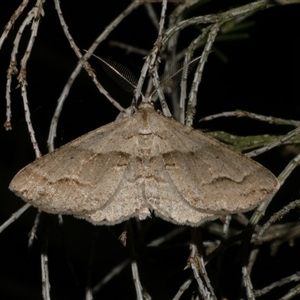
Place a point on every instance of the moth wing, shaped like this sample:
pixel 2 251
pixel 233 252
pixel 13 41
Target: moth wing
pixel 166 200
pixel 80 176
pixel 209 175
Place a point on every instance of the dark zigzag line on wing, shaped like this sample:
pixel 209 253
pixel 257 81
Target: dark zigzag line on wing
pixel 179 193
pixel 214 144
pixel 122 126
pixel 110 135
pixel 179 134
pixel 181 137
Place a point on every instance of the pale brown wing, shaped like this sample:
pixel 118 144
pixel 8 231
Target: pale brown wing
pixel 142 163
pixel 166 200
pixel 82 175
pixel 209 175
pixel 127 201
pixel 146 187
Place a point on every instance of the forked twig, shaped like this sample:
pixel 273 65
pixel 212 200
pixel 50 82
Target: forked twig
pixel 33 16
pixel 196 264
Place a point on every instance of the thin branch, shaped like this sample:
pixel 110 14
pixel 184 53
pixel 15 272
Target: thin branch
pixel 113 272
pixel 278 216
pixel 45 271
pixel 291 293
pixel 152 15
pixel 247 283
pixel 275 143
pixel 183 85
pixel 136 280
pixel 260 210
pixel 196 264
pixel 12 21
pixel 66 89
pixel 183 288
pixel 32 234
pixel 14 216
pixel 243 113
pixel 36 13
pixel 192 102
pixel 281 282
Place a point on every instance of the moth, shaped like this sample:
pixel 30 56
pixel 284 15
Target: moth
pixel 143 164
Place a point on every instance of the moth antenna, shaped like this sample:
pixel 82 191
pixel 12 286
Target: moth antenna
pixel 128 81
pixel 167 81
pixel 119 73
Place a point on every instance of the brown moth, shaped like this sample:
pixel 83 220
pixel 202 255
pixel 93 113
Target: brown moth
pixel 142 164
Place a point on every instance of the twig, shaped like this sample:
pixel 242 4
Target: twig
pixel 158 43
pixel 243 143
pixel 196 264
pixel 252 259
pixel 183 288
pixel 128 48
pixel 154 60
pixel 12 21
pixel 260 210
pixel 82 58
pixel 231 14
pixel 183 85
pixel 34 15
pixel 115 271
pixel 32 234
pixel 152 15
pixel 12 69
pixel 178 230
pixel 66 89
pixel 14 216
pixel 275 143
pixel 243 113
pixel 247 283
pixel 226 226
pixel 190 113
pixel 288 236
pixel 160 93
pixel 136 280
pixel 267 289
pixel 45 271
pixel 291 293
pixel 278 216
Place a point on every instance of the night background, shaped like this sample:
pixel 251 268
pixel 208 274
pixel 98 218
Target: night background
pixel 255 68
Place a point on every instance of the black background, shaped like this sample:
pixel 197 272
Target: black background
pixel 261 75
